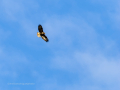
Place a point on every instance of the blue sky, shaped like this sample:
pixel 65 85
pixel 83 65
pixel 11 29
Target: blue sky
pixel 83 52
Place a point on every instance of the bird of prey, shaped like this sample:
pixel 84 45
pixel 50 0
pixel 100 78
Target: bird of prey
pixel 41 33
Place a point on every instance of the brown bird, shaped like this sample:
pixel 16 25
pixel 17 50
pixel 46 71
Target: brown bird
pixel 41 33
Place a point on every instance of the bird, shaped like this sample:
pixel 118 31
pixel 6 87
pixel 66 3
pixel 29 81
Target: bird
pixel 41 33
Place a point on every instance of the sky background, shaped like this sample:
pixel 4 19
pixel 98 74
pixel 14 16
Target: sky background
pixel 83 52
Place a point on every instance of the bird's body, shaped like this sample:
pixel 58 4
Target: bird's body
pixel 41 33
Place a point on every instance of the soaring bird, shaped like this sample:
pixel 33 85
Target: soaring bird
pixel 41 33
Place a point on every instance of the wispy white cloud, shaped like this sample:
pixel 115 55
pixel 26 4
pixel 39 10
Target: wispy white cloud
pixel 102 70
pixel 12 9
pixel 10 62
pixel 115 16
pixel 112 9
pixel 10 59
pixel 16 10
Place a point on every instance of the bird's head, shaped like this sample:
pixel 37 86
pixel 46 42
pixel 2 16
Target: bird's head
pixel 38 34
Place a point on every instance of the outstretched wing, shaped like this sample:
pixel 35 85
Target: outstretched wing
pixel 44 37
pixel 40 29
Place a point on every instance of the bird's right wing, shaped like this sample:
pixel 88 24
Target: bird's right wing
pixel 44 37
